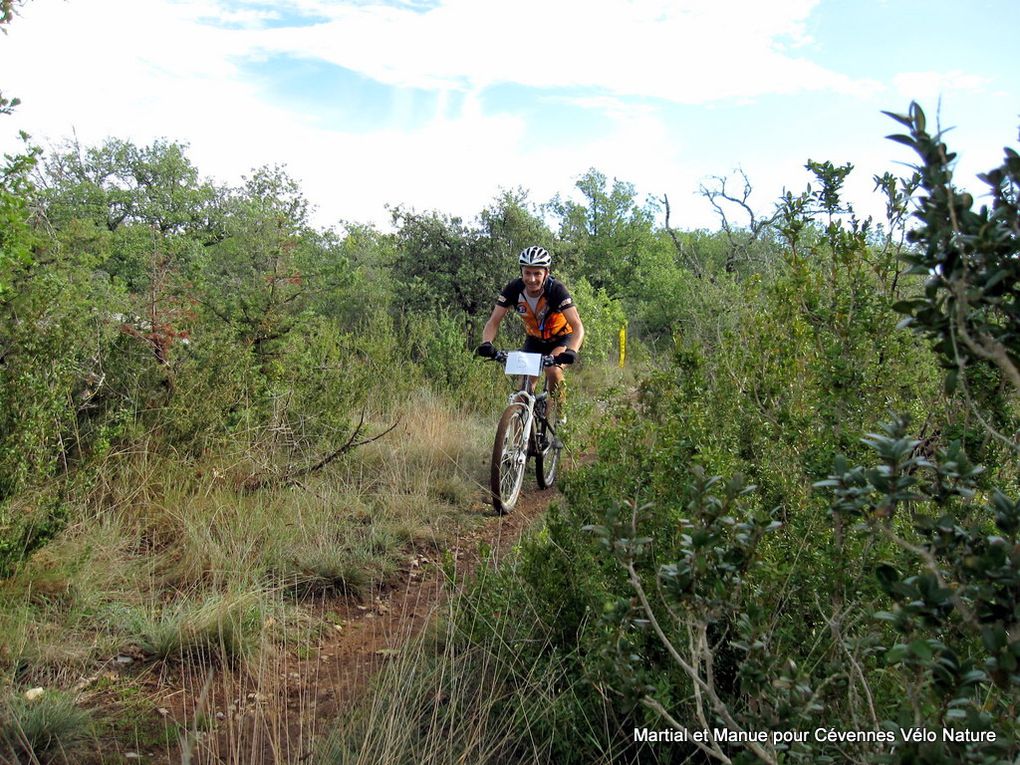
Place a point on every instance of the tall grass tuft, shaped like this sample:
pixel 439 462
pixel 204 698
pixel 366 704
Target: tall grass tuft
pixel 51 728
pixel 211 625
pixel 168 559
pixel 480 686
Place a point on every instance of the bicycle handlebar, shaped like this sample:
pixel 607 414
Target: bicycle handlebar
pixel 547 361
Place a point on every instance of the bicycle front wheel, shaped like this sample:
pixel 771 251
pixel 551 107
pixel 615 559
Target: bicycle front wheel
pixel 509 456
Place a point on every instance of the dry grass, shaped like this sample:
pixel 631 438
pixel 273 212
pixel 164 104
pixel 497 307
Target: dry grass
pixel 171 562
pixel 458 694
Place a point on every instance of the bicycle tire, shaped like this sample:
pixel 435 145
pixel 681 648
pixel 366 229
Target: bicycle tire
pixel 547 458
pixel 509 458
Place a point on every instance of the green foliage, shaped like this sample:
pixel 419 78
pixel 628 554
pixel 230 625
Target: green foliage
pixel 602 316
pixel 954 598
pixel 605 238
pixel 971 302
pixel 956 592
pixel 510 225
pixel 121 184
pixel 15 234
pixel 443 263
pixel 52 340
pixel 753 610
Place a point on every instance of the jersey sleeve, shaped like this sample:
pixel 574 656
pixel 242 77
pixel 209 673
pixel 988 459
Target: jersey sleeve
pixel 559 297
pixel 512 291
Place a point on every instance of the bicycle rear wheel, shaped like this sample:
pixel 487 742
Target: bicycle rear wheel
pixel 509 456
pixel 547 453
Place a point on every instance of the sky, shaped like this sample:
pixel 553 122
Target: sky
pixel 440 104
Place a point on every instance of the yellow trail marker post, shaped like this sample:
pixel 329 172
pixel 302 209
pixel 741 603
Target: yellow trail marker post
pixel 623 344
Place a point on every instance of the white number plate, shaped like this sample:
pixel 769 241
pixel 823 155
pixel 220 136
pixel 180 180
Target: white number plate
pixel 520 363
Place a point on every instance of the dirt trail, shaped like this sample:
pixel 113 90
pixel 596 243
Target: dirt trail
pixel 275 713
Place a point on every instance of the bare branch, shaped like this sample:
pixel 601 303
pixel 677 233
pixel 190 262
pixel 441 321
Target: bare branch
pixel 290 477
pixel 685 257
pixel 702 654
pixel 739 245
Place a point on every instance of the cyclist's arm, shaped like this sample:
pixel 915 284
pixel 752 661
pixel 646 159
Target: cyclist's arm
pixel 574 319
pixel 492 325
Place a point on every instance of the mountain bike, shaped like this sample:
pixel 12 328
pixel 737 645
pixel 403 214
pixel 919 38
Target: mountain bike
pixel 527 428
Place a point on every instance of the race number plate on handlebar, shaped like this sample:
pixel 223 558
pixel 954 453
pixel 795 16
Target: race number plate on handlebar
pixel 521 363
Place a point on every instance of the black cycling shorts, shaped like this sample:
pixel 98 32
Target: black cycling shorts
pixel 545 347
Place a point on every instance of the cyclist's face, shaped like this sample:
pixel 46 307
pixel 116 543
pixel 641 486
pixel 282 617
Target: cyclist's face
pixel 534 278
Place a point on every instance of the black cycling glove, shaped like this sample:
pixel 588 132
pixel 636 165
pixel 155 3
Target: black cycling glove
pixel 486 351
pixel 569 356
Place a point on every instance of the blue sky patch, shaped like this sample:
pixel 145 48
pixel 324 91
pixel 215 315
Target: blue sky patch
pixel 340 98
pixel 244 15
pixel 554 115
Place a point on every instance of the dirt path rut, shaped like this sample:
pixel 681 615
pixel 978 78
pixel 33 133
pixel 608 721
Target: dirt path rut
pixel 276 713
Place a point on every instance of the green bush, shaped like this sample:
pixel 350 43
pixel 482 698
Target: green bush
pixel 603 318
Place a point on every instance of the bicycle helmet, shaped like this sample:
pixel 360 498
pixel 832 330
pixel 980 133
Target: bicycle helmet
pixel 536 257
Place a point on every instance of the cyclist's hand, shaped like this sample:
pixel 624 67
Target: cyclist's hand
pixel 486 351
pixel 568 356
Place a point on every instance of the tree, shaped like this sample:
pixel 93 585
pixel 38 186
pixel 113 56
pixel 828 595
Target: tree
pixel 742 241
pixel 443 264
pixel 119 183
pixel 255 278
pixel 608 234
pixel 509 225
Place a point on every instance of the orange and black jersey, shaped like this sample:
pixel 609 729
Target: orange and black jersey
pixel 542 317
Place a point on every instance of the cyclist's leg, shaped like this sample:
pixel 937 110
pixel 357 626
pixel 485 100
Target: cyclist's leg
pixel 555 379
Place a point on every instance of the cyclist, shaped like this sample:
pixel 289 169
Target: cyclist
pixel 551 320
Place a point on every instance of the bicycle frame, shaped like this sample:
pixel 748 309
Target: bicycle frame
pixel 518 438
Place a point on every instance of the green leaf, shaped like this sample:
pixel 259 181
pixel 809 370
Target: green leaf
pixel 994 637
pixel 897 653
pixel 921 650
pixel 951 381
pixel 906 140
pixel 887 575
pixel 900 118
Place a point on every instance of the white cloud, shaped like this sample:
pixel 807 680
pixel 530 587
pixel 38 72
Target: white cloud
pixel 687 52
pixel 141 69
pixel 927 86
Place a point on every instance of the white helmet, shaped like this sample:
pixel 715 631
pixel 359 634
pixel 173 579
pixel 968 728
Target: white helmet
pixel 535 256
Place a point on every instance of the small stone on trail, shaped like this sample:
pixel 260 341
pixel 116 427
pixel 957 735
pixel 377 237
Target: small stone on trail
pixel 34 694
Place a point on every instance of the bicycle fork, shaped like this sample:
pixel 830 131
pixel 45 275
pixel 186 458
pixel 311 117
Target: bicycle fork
pixel 526 401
